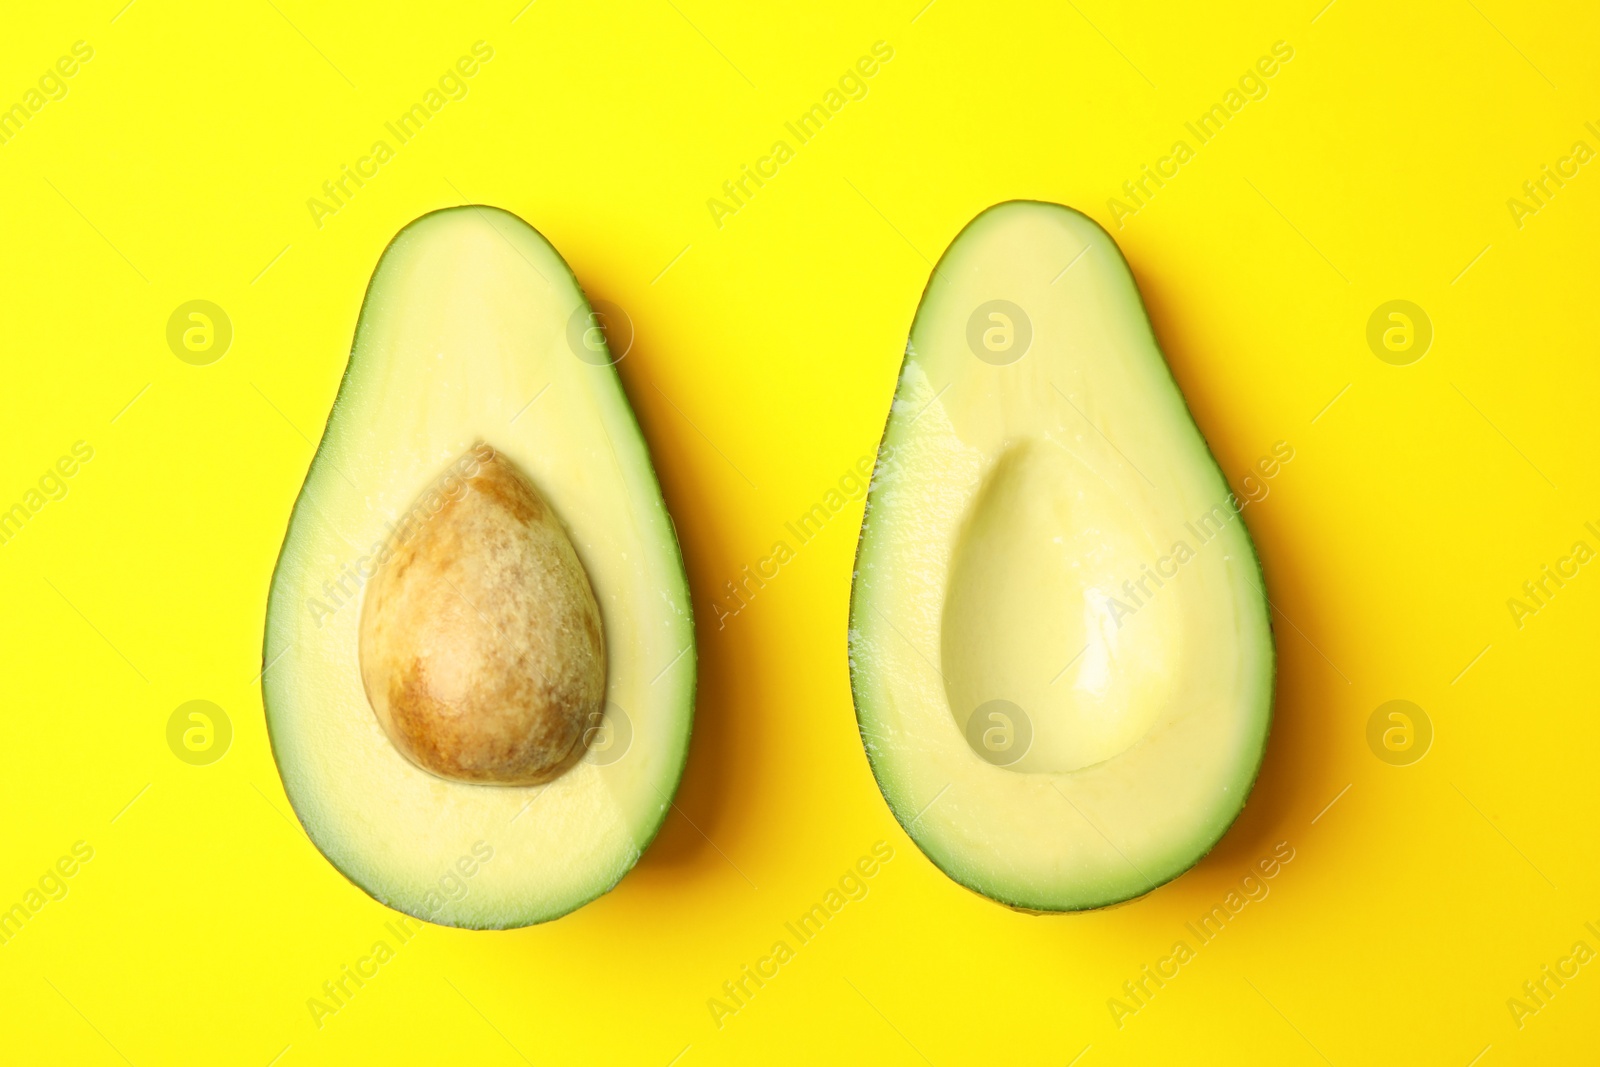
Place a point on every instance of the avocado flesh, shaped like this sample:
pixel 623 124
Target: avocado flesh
pixel 1012 499
pixel 464 338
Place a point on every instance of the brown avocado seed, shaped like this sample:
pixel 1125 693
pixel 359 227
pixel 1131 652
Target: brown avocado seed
pixel 481 648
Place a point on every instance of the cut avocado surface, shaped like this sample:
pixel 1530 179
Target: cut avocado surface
pixel 479 651
pixel 1060 646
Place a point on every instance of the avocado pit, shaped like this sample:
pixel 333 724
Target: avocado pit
pixel 481 647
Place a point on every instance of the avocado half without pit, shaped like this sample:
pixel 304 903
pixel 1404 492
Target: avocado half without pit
pixel 479 651
pixel 1060 646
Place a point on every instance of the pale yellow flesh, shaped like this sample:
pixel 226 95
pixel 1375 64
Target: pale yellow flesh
pixel 1010 505
pixel 464 338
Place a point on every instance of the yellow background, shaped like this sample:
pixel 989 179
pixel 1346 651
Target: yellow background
pixel 1378 167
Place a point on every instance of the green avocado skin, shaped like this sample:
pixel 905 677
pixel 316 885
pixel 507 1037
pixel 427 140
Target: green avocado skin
pixel 860 672
pixel 371 306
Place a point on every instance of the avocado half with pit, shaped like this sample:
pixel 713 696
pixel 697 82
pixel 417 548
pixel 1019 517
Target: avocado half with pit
pixel 1060 646
pixel 479 658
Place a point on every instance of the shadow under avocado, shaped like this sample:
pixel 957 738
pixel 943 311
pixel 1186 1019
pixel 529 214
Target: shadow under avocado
pixel 704 792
